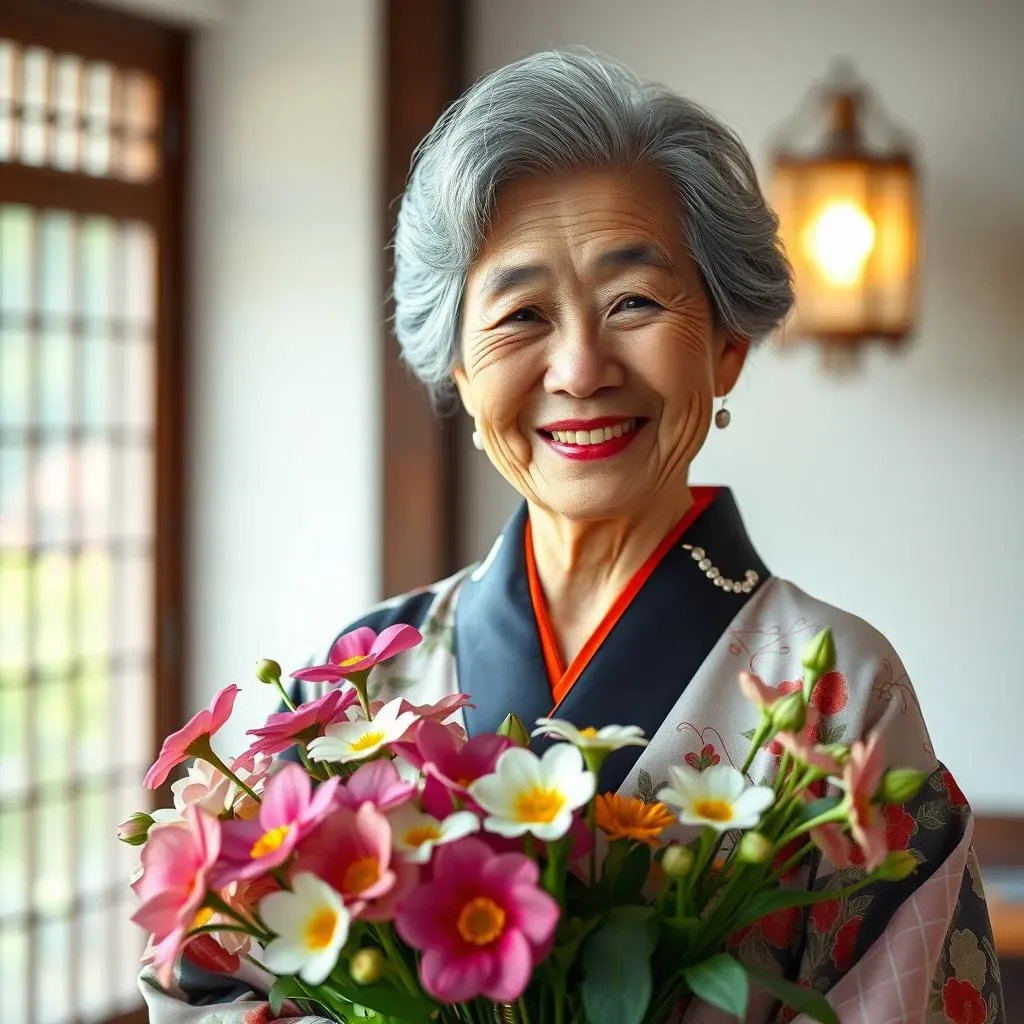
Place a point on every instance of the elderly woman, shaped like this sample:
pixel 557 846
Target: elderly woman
pixel 588 258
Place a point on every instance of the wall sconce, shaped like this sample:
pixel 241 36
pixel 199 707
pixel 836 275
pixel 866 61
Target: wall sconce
pixel 849 220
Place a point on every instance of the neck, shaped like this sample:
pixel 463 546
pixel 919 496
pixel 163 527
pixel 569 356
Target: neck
pixel 584 565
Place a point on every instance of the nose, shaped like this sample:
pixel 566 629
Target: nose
pixel 579 363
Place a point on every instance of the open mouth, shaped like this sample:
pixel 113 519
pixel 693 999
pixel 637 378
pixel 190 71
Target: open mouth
pixel 594 439
pixel 596 435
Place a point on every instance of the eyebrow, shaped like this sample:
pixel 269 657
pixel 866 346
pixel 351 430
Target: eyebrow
pixel 505 279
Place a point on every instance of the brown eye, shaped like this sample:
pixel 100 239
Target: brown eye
pixel 522 316
pixel 631 303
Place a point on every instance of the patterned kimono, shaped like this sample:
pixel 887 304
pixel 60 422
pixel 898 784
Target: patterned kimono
pixel 915 951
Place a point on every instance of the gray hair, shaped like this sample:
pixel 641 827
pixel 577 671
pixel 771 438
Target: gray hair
pixel 562 110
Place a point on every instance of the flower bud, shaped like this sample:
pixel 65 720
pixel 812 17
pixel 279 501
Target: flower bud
pixel 755 848
pixel 900 785
pixel 819 656
pixel 789 713
pixel 135 830
pixel 899 864
pixel 514 730
pixel 677 861
pixel 367 966
pixel 839 752
pixel 268 671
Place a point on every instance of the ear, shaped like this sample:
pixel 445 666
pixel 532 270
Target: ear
pixel 465 391
pixel 729 360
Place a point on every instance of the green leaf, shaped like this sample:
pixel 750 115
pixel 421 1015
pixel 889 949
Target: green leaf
pixel 617 967
pixel 282 989
pixel 932 814
pixel 832 734
pixel 765 903
pixel 633 873
pixel 645 786
pixel 805 1000
pixel 816 808
pixel 721 982
pixel 678 935
pixel 388 1001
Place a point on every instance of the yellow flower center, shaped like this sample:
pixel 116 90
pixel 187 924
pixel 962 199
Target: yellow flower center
pixel 539 804
pixel 589 733
pixel 354 660
pixel 320 928
pixel 367 741
pixel 420 834
pixel 481 921
pixel 713 810
pixel 361 874
pixel 202 917
pixel 269 841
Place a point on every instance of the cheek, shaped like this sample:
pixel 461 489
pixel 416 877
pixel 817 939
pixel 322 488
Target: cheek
pixel 677 366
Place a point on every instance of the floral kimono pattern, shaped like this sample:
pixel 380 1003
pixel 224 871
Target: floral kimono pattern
pixel 915 952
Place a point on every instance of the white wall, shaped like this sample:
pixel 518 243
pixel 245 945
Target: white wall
pixel 283 389
pixel 919 527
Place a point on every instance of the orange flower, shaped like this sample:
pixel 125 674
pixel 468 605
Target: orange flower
pixel 624 817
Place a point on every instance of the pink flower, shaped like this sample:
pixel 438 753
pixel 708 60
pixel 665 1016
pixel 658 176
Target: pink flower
pixel 359 651
pixel 204 786
pixel 455 765
pixel 803 747
pixel 193 739
pixel 757 691
pixel 243 897
pixel 862 775
pixel 177 861
pixel 289 811
pixel 482 923
pixel 352 852
pixel 377 783
pixel 833 843
pixel 308 721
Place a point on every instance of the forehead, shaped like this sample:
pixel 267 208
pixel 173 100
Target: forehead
pixel 581 211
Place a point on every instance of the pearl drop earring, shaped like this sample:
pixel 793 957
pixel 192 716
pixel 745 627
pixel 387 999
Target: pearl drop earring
pixel 723 417
pixel 478 441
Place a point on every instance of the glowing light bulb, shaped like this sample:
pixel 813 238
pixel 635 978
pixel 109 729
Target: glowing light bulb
pixel 839 241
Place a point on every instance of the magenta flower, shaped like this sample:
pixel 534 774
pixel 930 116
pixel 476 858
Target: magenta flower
pixel 359 651
pixel 482 923
pixel 308 721
pixel 862 776
pixel 176 865
pixel 437 753
pixel 289 811
pixel 192 739
pixel 377 783
pixel 352 852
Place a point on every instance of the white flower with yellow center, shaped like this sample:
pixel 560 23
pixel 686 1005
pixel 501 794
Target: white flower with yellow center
pixel 607 738
pixel 358 739
pixel 415 834
pixel 527 793
pixel 311 924
pixel 718 797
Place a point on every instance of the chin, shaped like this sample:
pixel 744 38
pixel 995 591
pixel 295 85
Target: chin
pixel 579 502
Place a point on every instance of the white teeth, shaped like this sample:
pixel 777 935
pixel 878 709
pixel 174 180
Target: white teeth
pixel 595 436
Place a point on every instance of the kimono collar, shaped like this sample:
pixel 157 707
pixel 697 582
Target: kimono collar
pixel 643 664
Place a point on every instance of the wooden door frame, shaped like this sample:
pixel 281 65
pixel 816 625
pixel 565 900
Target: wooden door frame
pixel 424 59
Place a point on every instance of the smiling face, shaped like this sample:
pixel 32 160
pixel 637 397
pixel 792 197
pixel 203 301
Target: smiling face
pixel 590 358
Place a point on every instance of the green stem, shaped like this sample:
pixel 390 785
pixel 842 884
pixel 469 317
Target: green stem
pixel 524 1013
pixel 395 955
pixel 780 872
pixel 201 748
pixel 284 694
pixel 592 825
pixel 759 737
pixel 214 902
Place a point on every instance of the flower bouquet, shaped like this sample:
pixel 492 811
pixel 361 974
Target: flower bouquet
pixel 387 868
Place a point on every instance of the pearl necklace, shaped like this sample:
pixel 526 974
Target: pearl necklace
pixel 745 586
